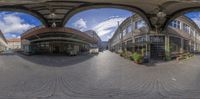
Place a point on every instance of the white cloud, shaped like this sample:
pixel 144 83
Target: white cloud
pixel 106 27
pixel 80 24
pixel 11 23
pixel 13 36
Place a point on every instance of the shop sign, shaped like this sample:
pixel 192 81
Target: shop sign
pixel 140 39
pixel 157 39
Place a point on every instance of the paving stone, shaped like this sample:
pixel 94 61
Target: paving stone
pixel 102 76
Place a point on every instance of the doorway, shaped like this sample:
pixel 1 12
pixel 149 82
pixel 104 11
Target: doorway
pixel 157 51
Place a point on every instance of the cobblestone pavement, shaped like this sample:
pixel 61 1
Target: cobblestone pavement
pixel 104 76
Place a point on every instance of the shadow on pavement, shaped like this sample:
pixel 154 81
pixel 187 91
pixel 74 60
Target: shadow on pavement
pixel 154 63
pixel 6 54
pixel 55 60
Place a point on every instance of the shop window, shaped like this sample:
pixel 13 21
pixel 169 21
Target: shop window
pixel 129 45
pixel 186 45
pixel 175 44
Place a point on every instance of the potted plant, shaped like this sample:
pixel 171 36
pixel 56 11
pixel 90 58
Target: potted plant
pixel 122 54
pixel 137 58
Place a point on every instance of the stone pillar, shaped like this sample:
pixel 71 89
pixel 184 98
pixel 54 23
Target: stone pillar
pixel 190 46
pixel 194 46
pixel 182 45
pixel 167 48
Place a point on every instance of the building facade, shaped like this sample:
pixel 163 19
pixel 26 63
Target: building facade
pixel 94 35
pixel 133 34
pixel 65 41
pixel 3 43
pixel 14 43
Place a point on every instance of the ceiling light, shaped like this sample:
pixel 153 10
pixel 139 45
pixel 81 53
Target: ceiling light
pixel 52 15
pixel 53 24
pixel 161 14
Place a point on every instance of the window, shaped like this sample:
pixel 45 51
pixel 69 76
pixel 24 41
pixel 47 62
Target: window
pixel 140 39
pixel 157 39
pixel 192 32
pixel 124 32
pixel 120 36
pixel 176 24
pixel 129 29
pixel 139 24
pixel 186 28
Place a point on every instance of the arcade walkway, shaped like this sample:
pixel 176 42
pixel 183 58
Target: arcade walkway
pixel 105 76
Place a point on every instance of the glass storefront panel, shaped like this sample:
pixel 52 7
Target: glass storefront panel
pixel 175 44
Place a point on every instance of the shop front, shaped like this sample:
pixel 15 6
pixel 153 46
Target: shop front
pixel 157 47
pixel 56 41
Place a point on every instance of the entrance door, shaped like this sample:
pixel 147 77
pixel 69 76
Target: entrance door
pixel 157 51
pixel 56 50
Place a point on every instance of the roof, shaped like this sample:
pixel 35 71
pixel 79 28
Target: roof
pixel 92 33
pixel 60 11
pixel 3 37
pixel 14 40
pixel 42 30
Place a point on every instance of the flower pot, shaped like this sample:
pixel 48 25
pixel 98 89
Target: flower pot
pixel 137 62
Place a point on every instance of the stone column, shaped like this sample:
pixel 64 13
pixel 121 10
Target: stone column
pixel 190 46
pixel 182 45
pixel 167 48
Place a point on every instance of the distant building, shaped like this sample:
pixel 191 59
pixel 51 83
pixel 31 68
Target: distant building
pixel 14 43
pixel 3 42
pixel 104 45
pixel 94 35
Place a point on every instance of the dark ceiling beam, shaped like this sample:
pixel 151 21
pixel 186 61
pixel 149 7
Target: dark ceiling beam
pixel 64 1
pixel 55 6
pixel 43 8
pixel 45 14
pixel 60 19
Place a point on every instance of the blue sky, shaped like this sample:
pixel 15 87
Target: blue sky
pixel 12 24
pixel 195 16
pixel 103 21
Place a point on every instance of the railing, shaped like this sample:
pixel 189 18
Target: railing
pixel 32 29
